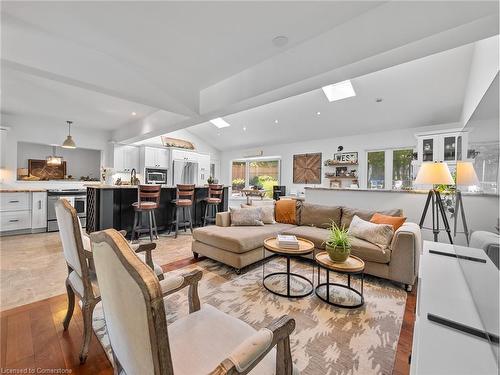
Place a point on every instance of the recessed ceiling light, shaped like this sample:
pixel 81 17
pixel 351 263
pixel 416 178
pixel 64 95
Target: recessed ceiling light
pixel 133 113
pixel 379 100
pixel 218 133
pixel 318 113
pixel 244 128
pixel 220 123
pixel 339 91
pixel 276 121
pixel 280 41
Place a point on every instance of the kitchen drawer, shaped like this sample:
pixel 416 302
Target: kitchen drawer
pixel 15 220
pixel 14 201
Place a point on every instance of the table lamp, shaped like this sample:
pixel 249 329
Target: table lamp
pixel 435 173
pixel 466 176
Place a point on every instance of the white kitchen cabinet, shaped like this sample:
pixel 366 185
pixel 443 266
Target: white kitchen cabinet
pixel 153 157
pixel 191 156
pixel 445 146
pixel 38 211
pixel 126 158
pixel 15 211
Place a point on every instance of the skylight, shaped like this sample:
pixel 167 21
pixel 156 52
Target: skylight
pixel 339 91
pixel 220 123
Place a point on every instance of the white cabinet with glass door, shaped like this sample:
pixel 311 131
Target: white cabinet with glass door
pixel 446 146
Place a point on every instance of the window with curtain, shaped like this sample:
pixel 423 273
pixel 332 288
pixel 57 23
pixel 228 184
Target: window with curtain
pixel 376 169
pixel 402 169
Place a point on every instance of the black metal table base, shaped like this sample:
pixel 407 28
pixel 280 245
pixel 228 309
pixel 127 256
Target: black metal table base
pixel 332 286
pixel 289 275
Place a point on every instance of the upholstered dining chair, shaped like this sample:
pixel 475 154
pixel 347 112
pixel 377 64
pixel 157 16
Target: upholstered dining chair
pixel 206 341
pixel 81 278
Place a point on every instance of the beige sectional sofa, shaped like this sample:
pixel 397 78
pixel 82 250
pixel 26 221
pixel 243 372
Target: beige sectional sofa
pixel 241 246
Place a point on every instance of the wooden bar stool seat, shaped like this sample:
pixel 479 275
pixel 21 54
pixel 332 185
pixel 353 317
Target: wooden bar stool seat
pixel 148 200
pixel 183 203
pixel 215 192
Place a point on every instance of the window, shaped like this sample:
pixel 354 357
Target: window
pixel 376 170
pixel 402 169
pixel 262 173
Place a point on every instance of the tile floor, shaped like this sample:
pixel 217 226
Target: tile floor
pixel 32 266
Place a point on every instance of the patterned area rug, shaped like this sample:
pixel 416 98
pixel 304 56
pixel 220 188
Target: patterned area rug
pixel 327 340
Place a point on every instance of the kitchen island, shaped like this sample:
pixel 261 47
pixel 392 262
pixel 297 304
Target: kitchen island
pixel 110 206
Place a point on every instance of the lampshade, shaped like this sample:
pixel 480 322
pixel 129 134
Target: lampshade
pixel 69 142
pixel 434 174
pixel 466 175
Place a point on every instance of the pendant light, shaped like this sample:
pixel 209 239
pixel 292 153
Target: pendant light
pixel 53 160
pixel 69 142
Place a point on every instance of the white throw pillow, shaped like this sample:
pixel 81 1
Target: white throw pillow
pixel 246 216
pixel 378 234
pixel 267 213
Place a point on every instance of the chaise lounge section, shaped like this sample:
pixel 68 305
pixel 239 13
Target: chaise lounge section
pixel 240 246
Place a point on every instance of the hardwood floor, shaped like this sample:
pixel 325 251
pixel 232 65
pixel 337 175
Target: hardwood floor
pixel 32 336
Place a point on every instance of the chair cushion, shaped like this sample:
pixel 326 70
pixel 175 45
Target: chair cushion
pixel 238 239
pixel 183 202
pixel 369 252
pixel 145 205
pixel 348 213
pixel 213 200
pixel 317 215
pixel 194 350
pixel 316 235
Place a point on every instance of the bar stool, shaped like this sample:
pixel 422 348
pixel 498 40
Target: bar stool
pixel 212 202
pixel 183 202
pixel 148 201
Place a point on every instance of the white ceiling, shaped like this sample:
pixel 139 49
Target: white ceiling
pixel 423 92
pixel 181 63
pixel 25 94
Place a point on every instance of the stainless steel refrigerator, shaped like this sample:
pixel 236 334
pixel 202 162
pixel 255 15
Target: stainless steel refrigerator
pixel 185 172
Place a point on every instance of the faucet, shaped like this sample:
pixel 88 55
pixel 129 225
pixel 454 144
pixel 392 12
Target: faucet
pixel 133 176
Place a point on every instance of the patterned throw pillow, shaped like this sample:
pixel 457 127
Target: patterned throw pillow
pixel 246 216
pixel 267 213
pixel 378 234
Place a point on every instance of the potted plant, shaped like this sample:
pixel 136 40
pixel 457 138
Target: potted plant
pixel 210 180
pixel 338 244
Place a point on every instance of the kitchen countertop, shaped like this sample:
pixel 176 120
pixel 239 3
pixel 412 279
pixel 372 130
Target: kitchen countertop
pixel 22 190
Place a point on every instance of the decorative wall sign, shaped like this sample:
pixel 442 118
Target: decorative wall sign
pixel 40 169
pixel 179 143
pixel 307 168
pixel 346 157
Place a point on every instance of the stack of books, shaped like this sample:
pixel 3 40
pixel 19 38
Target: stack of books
pixel 287 242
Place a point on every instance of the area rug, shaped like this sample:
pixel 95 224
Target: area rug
pixel 327 340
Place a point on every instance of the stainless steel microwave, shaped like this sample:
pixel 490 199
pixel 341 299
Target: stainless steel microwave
pixel 156 175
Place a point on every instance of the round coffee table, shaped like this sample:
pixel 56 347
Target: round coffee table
pixel 337 294
pixel 305 247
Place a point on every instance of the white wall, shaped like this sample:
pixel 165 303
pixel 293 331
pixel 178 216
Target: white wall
pixel 357 143
pixel 42 131
pixel 484 67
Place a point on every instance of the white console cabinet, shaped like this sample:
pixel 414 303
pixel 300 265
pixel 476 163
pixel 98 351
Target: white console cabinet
pixel 23 212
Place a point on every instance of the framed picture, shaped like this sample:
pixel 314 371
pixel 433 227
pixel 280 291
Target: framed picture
pixel 40 169
pixel 346 157
pixel 307 168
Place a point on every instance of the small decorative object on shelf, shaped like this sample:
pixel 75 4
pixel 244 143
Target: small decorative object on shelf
pixel 210 180
pixel 338 244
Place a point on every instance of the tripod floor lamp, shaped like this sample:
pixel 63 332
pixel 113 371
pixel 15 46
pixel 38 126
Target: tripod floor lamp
pixel 436 173
pixel 466 176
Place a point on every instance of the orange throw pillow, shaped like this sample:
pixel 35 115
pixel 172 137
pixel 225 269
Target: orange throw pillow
pixel 285 211
pixel 395 221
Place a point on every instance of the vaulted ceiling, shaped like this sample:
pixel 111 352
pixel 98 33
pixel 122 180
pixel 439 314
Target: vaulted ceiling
pixel 178 64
